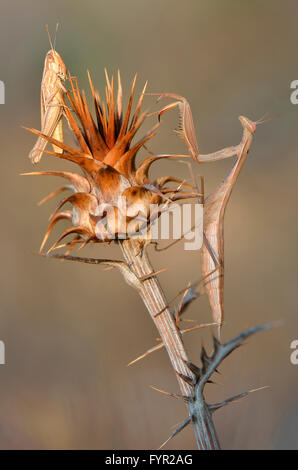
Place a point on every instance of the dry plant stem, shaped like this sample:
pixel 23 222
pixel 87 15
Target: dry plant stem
pixel 155 301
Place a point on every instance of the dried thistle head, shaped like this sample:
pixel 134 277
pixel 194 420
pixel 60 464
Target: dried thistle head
pixel 109 175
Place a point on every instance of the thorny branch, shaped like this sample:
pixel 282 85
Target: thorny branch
pixel 192 379
pixel 154 299
pixel 199 411
pixel 139 274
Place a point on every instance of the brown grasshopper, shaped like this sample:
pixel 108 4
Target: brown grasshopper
pixel 52 103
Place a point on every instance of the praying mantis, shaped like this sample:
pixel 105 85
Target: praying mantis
pixel 212 251
pixel 52 102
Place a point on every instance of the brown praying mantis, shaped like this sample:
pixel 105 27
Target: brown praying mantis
pixel 212 251
pixel 52 102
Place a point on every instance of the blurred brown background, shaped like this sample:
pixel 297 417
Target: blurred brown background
pixel 70 329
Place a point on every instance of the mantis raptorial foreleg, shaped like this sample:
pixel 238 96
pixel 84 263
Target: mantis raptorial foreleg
pixel 187 130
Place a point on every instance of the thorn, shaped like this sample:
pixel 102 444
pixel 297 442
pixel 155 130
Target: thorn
pixel 109 268
pixel 186 398
pixel 159 346
pixel 217 406
pixel 185 289
pixel 194 369
pixel 151 350
pixel 165 442
pixel 150 275
pixel 161 311
pixel 188 297
pixel 173 395
pixel 196 327
pixel 258 389
pixel 177 430
pixel 203 355
pixel 216 343
pixel 186 378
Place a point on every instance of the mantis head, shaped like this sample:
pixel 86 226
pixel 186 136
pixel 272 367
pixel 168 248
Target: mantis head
pixel 248 124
